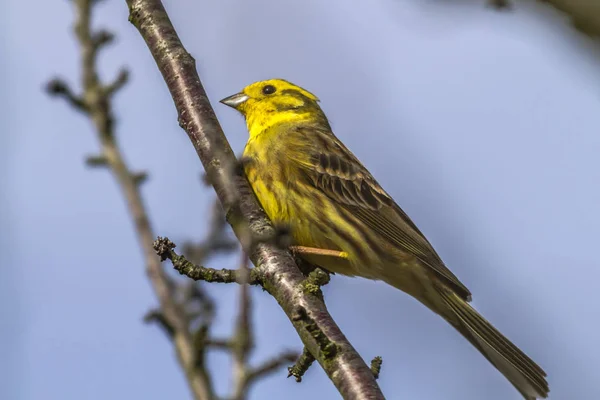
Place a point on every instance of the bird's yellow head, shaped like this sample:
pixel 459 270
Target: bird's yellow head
pixel 266 104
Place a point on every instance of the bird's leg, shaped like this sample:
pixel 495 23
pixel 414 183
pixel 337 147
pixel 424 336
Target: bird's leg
pixel 320 252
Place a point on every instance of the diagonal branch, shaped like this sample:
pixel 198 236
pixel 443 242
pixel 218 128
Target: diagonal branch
pixel 279 273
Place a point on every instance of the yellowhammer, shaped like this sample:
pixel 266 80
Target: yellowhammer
pixel 342 220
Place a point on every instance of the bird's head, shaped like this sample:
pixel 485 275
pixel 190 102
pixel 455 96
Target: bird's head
pixel 271 102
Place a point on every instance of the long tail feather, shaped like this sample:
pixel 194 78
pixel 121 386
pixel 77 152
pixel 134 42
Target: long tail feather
pixel 525 375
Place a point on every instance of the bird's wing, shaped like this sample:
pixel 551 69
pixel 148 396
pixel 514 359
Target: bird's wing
pixel 330 167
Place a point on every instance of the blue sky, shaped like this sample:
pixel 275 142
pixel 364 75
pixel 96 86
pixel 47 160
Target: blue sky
pixel 484 126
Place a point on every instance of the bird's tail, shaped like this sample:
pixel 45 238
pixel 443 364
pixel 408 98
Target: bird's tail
pixel 525 375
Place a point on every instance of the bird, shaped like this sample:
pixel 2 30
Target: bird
pixel 342 220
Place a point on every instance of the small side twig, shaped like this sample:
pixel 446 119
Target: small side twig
pixel 139 177
pixel 101 38
pixel 164 248
pixel 59 88
pixel 270 366
pixel 316 278
pixel 159 318
pixel 376 366
pixel 120 81
pixel 301 366
pixel 96 161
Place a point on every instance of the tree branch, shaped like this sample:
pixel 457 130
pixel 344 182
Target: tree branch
pixel 95 101
pixel 164 249
pixel 278 272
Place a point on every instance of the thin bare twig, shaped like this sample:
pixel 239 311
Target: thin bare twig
pixel 278 273
pixel 95 102
pixel 270 366
pixel 164 249
pixel 158 317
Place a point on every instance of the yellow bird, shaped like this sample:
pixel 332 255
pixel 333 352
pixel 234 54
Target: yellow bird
pixel 342 220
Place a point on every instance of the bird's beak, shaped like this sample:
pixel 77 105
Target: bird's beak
pixel 236 100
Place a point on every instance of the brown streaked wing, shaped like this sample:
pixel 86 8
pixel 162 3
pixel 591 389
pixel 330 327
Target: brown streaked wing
pixel 337 173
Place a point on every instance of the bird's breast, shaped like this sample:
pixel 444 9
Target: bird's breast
pixel 266 176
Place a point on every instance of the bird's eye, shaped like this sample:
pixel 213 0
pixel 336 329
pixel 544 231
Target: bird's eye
pixel 268 89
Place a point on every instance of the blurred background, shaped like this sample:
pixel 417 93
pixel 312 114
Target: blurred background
pixel 484 125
